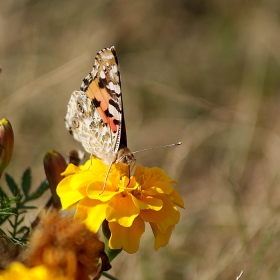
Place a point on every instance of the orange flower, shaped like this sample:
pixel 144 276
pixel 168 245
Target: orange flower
pixel 66 248
pixel 126 203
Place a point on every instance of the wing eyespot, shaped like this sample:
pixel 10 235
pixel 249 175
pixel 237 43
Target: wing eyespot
pixel 80 107
pixel 75 122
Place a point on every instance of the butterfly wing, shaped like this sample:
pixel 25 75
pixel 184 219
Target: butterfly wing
pixel 94 114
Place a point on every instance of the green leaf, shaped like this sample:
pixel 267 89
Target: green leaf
pixel 6 201
pixel 15 241
pixel 112 253
pixel 3 194
pixel 21 212
pixel 20 221
pixel 105 238
pixel 19 241
pixel 41 189
pixel 3 233
pixel 109 276
pixel 11 223
pixel 26 181
pixel 23 229
pixel 7 211
pixel 12 184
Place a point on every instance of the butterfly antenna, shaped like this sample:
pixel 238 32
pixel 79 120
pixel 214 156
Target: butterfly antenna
pixel 107 174
pixel 159 147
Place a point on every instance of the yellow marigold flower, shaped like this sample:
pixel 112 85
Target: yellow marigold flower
pixel 17 271
pixel 126 203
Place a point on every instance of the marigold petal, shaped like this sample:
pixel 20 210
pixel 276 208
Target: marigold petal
pixel 82 179
pixel 71 169
pixel 91 212
pixel 67 195
pixel 153 177
pixel 126 238
pixel 147 202
pixel 122 210
pixel 18 271
pixel 152 191
pixel 177 199
pixel 161 239
pixel 95 188
pixel 165 186
pixel 167 216
pixel 99 167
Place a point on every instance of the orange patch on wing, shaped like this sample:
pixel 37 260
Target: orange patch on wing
pixel 113 126
pixel 100 94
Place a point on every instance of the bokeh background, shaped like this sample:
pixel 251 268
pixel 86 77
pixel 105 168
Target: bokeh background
pixel 204 72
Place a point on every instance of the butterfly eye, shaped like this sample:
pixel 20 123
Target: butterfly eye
pixel 80 108
pixel 75 122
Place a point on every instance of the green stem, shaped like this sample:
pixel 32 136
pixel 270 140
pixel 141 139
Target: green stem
pixel 16 221
pixel 109 276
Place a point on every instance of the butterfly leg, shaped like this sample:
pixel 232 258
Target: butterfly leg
pixel 130 168
pixel 128 176
pixel 107 174
pixel 90 164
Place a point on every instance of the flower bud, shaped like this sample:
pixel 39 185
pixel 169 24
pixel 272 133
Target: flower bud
pixel 54 165
pixel 6 144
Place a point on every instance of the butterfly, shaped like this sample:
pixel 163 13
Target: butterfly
pixel 95 114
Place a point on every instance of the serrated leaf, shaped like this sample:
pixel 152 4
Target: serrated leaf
pixel 12 184
pixel 3 194
pixel 22 212
pixel 3 233
pixel 6 202
pixel 7 211
pixel 11 223
pixel 41 189
pixel 26 181
pixel 18 241
pixel 20 221
pixel 15 199
pixel 23 229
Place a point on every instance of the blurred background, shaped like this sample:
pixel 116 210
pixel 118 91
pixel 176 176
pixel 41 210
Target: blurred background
pixel 204 72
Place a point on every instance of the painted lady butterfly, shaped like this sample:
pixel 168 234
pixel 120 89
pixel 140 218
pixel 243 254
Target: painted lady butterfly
pixel 95 114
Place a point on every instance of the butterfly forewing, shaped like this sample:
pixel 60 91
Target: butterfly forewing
pixel 95 115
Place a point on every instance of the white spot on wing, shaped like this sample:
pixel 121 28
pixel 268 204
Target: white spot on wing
pixel 117 89
pixel 114 112
pixel 115 68
pixel 102 75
